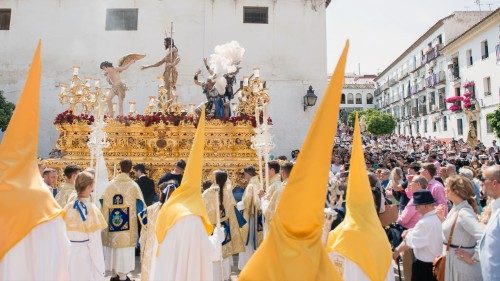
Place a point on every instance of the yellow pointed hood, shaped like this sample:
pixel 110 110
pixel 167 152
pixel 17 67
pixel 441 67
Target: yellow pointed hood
pixel 186 200
pixel 360 237
pixel 25 200
pixel 293 249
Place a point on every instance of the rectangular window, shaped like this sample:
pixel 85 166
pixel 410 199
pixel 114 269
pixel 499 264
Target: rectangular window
pixel 487 86
pixel 468 57
pixel 5 19
pixel 418 127
pixel 440 39
pixel 256 15
pixel 457 91
pixel 484 50
pixel 434 126
pixel 425 126
pixel 460 127
pixel 121 19
pixel 445 124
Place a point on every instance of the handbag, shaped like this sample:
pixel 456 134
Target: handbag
pixel 439 264
pixel 389 216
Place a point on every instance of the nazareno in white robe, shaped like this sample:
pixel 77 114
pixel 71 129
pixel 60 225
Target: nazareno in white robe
pixel 42 255
pixel 351 271
pixel 186 253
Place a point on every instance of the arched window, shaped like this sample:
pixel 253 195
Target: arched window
pixel 369 98
pixel 359 99
pixel 342 99
pixel 350 99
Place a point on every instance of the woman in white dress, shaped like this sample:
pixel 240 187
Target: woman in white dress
pixel 468 231
pixel 84 223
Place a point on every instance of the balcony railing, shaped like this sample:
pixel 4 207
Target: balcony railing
pixel 430 81
pixel 414 112
pixel 423 110
pixel 432 54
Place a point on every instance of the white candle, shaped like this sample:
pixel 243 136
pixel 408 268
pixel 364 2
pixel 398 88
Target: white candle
pixel 132 107
pixel 261 86
pixel 256 72
pixel 245 81
pixel 63 89
pixel 75 70
pixel 151 101
pixel 79 92
pixel 87 82
pixel 97 83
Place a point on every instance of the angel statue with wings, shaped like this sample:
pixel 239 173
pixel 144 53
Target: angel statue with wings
pixel 118 88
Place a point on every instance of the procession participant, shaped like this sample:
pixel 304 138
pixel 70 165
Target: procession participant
pixel 68 187
pixel 50 179
pixel 146 184
pixel 293 250
pixel 266 195
pixel 285 171
pixel 230 219
pixel 250 204
pixel 33 240
pixel 359 244
pixel 118 88
pixel 175 174
pixel 84 223
pixel 121 201
pixel 184 249
pixel 147 239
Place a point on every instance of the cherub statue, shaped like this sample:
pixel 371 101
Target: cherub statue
pixel 118 88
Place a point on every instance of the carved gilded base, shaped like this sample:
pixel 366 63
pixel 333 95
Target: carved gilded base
pixel 160 146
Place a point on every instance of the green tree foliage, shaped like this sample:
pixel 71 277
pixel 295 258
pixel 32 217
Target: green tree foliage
pixel 494 121
pixel 377 123
pixel 6 110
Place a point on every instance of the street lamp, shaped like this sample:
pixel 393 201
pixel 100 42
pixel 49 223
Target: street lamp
pixel 310 98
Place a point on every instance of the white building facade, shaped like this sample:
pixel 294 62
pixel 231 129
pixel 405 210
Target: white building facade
pixel 357 94
pixel 285 39
pixel 415 86
pixel 474 60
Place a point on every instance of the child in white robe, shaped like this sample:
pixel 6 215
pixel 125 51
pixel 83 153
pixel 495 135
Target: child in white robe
pixel 84 223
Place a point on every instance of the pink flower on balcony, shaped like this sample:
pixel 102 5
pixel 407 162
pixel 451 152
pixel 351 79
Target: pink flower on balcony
pixel 469 84
pixel 454 99
pixel 468 93
pixel 467 105
pixel 455 107
pixel 467 100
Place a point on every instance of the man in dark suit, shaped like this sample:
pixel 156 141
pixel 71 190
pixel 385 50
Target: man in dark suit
pixel 146 184
pixel 175 175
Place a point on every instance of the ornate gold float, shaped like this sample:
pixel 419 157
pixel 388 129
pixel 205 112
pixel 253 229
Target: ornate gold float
pixel 159 139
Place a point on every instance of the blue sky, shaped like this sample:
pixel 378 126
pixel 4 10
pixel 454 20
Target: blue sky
pixel 380 30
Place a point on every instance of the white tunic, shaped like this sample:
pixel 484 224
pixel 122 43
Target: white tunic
pixel 86 260
pixel 185 254
pixel 351 271
pixel 29 259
